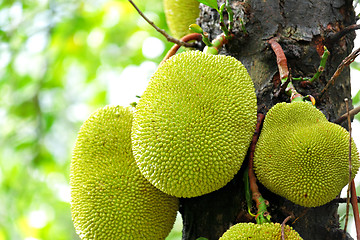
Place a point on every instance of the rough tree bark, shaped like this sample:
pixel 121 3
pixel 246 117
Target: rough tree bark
pixel 303 28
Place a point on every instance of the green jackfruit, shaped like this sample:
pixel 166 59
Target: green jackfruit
pixel 110 199
pixel 303 157
pixel 180 14
pixel 266 231
pixel 194 123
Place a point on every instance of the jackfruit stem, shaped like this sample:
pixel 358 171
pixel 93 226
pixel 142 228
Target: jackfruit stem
pixel 231 16
pixel 321 68
pixel 226 30
pixel 205 36
pixel 262 215
pixel 216 44
pixel 248 192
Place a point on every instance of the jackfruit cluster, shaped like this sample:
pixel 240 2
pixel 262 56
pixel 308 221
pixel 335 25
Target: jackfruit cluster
pixel 180 14
pixel 194 123
pixel 303 157
pixel 266 231
pixel 110 199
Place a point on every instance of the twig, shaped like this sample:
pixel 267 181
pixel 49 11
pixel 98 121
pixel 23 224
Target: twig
pixel 162 31
pixel 343 32
pixel 354 204
pixel 261 204
pixel 321 67
pixel 301 215
pixel 283 227
pixel 343 200
pixel 352 113
pixel 346 62
pixel 349 186
pixel 175 48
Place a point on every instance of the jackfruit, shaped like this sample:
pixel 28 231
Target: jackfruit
pixel 194 123
pixel 303 157
pixel 180 14
pixel 110 199
pixel 265 231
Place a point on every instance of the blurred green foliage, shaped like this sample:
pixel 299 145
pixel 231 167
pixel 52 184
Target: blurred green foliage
pixel 59 61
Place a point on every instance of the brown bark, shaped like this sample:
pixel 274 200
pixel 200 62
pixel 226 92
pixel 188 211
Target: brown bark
pixel 303 28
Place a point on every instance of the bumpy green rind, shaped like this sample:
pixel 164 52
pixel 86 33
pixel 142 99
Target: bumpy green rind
pixel 110 199
pixel 194 123
pixel 266 231
pixel 180 14
pixel 303 157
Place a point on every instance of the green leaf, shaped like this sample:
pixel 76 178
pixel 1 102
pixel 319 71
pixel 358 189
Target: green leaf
pixel 196 28
pixel 211 3
pixel 356 98
pixel 201 238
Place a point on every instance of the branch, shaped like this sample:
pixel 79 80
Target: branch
pixel 163 32
pixel 354 204
pixel 346 62
pixel 352 113
pixel 175 48
pixel 343 200
pixel 349 186
pixel 343 32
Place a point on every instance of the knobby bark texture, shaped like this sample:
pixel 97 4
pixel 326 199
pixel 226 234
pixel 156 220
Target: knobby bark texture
pixel 303 28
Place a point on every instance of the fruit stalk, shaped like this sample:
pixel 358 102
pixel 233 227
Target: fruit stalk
pixel 216 44
pixel 346 62
pixel 262 215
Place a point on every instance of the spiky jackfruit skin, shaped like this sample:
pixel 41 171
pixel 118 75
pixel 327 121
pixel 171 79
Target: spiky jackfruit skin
pixel 180 14
pixel 110 199
pixel 266 231
pixel 193 124
pixel 303 157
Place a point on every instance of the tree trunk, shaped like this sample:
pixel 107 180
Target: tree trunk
pixel 303 28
